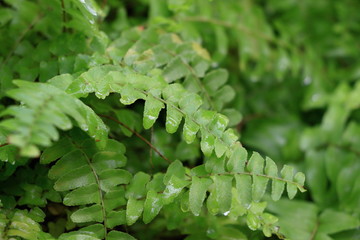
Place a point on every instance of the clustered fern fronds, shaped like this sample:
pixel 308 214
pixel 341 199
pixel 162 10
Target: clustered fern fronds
pixel 88 174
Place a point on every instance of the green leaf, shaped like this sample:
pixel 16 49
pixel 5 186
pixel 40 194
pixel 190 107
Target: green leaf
pixel 220 147
pixel 233 115
pixel 67 163
pixel 204 117
pixel 152 206
pixel 61 81
pixel 137 188
pixel 184 202
pixel 88 214
pixel 211 203
pixel 152 109
pixel 113 177
pixel 214 164
pixel 190 130
pixel 173 189
pixel 197 194
pixel 134 208
pixel 77 236
pixel 243 186
pixel 114 199
pixel 177 169
pixel 237 159
pixel 176 69
pixel 116 235
pixel 277 187
pixel 287 173
pixel 56 151
pixel 96 229
pixel 23 226
pixel 173 92
pixel 219 124
pixel 190 103
pixel 129 95
pixel 256 166
pixel 207 142
pixel 115 218
pixel 256 163
pixel 300 179
pixel 215 79
pixel 46 108
pixel 83 195
pixel 230 137
pixel 74 179
pixel 236 209
pixel 156 183
pixel 231 233
pixel 173 118
pixel 108 160
pixel 37 214
pixel 253 221
pixel 259 187
pixel 223 185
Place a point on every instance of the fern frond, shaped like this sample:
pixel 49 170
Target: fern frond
pixel 184 61
pixel 226 167
pixel 44 109
pixel 23 224
pixel 92 181
pixel 181 104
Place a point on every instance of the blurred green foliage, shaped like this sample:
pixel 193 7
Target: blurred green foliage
pixel 282 75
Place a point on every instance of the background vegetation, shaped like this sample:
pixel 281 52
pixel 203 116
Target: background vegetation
pixel 77 163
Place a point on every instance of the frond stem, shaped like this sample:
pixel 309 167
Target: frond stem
pixel 138 135
pixel 255 174
pixel 100 192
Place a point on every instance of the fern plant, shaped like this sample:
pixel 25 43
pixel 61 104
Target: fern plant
pixel 113 125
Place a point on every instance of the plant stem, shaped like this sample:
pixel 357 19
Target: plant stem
pixel 138 135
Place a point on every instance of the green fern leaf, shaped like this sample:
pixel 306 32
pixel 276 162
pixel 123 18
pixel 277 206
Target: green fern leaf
pixel 211 202
pixel 277 186
pixel 88 214
pixel 82 196
pixel 78 236
pixel 129 95
pixel 207 143
pixel 152 109
pixel 197 194
pixel 152 206
pixel 176 69
pixel 94 180
pixel 137 187
pixel 288 173
pixel 45 108
pixel 134 208
pixel 237 160
pixel 116 235
pixel 215 79
pixel 116 218
pixel 175 168
pixel 190 103
pixel 190 129
pixel 173 189
pixel 114 198
pixel 223 185
pixel 243 186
